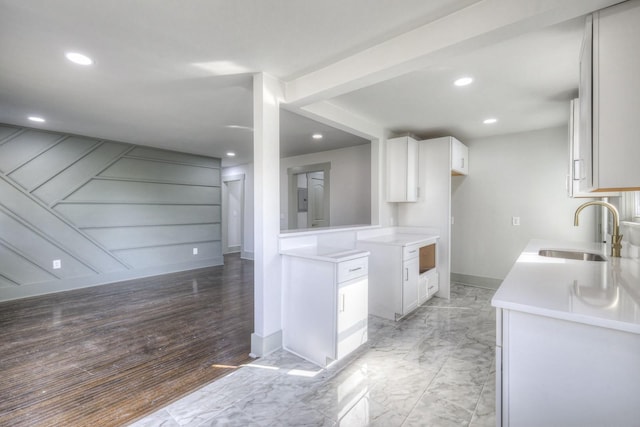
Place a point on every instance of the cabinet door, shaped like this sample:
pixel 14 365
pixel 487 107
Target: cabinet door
pixel 583 167
pixel 459 158
pixel 609 106
pixel 616 104
pixel 402 170
pixel 352 315
pixel 410 284
pixel 423 288
pixel 580 159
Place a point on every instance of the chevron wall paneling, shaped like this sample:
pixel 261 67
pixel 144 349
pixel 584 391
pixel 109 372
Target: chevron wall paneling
pixel 108 211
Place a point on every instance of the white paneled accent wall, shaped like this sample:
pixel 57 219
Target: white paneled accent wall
pixel 100 211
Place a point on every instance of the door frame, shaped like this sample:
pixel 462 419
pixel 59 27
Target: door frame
pixel 225 214
pixel 292 207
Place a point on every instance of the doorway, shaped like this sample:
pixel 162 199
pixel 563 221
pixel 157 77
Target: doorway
pixel 309 195
pixel 232 213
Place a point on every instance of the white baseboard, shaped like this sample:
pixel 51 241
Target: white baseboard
pixel 481 282
pixel 263 346
pixel 35 289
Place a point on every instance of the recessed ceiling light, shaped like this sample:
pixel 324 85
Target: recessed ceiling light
pixel 317 136
pixel 79 58
pixel 463 81
pixel 231 154
pixel 239 127
pixel 36 119
pixel 490 121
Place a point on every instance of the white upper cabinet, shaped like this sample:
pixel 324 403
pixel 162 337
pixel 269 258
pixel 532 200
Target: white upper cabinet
pixel 580 159
pixel 609 101
pixel 402 169
pixel 459 158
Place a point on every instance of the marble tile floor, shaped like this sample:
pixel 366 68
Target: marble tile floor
pixel 434 368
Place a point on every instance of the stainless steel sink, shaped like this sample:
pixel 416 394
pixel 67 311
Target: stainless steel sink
pixel 579 255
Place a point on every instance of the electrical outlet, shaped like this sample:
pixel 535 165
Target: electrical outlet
pixel 515 220
pixel 195 251
pixel 57 264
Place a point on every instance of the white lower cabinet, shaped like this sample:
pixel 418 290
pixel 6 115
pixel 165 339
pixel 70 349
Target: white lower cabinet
pixel 396 286
pixel 428 285
pixel 352 316
pixel 411 277
pixel 552 372
pixel 325 307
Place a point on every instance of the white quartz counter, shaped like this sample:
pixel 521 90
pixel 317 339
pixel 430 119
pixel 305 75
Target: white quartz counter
pixel 402 239
pixel 605 294
pixel 325 253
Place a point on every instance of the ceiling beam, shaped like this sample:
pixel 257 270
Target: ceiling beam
pixel 345 120
pixel 480 24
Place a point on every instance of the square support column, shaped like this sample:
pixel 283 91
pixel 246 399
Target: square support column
pixel 267 335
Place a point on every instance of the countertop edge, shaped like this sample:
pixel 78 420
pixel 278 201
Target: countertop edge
pixel 426 239
pixel 354 254
pixel 569 317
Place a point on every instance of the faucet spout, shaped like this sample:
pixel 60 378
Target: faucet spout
pixel 616 238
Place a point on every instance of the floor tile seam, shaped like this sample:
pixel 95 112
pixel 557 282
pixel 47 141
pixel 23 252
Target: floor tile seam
pixel 233 400
pixel 171 417
pixel 424 392
pixel 211 410
pixel 208 420
pixel 475 409
pixel 484 384
pixel 255 420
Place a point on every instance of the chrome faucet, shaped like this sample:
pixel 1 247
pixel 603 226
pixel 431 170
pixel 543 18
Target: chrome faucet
pixel 616 238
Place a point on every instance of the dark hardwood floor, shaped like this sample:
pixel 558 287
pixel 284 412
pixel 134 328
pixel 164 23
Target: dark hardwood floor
pixel 107 355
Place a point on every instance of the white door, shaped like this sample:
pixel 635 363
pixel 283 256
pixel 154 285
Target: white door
pixel 317 204
pixel 232 216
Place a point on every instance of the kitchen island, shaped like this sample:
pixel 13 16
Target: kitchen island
pixel 324 302
pixel 403 273
pixel 332 282
pixel 568 339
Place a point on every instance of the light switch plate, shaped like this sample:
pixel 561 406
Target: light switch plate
pixel 515 220
pixel 57 264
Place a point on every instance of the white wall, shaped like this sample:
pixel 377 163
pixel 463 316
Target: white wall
pixel 247 171
pixel 350 185
pixel 513 175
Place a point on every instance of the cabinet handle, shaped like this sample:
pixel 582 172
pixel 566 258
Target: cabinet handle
pixel 577 175
pixel 342 303
pixel 462 163
pixel 413 251
pixel 351 270
pixel 406 274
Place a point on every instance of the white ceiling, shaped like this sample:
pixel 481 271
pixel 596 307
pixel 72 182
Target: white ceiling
pixel 176 73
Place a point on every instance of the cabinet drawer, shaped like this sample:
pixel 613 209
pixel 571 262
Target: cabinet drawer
pixel 433 284
pixel 409 252
pixel 348 270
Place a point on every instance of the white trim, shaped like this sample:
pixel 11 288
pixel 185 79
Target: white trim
pixel 292 173
pixel 35 289
pixel 226 249
pixel 263 346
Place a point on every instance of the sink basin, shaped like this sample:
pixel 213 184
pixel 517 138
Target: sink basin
pixel 566 254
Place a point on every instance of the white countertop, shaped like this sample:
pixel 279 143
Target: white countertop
pixel 605 294
pixel 326 230
pixel 328 254
pixel 402 239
